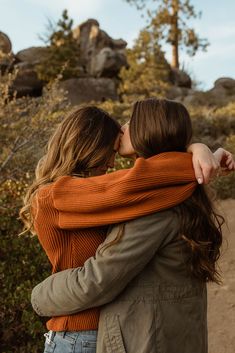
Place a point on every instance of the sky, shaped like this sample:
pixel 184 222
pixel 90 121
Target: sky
pixel 24 20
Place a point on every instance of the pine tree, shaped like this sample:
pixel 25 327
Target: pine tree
pixel 169 22
pixel 148 72
pixel 63 52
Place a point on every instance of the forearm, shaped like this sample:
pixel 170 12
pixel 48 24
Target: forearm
pixel 126 194
pixel 71 291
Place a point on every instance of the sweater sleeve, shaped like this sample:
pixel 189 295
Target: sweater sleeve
pixel 152 185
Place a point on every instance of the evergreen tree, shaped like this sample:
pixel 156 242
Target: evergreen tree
pixel 148 71
pixel 169 21
pixel 63 52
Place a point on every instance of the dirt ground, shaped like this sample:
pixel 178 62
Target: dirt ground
pixel 221 299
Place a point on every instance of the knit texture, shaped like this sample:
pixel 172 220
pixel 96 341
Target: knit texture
pixel 72 214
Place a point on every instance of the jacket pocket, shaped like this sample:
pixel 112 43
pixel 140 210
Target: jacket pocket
pixel 113 335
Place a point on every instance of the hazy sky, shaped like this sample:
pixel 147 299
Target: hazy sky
pixel 23 20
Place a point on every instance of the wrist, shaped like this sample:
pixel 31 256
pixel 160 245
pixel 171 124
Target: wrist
pixel 193 147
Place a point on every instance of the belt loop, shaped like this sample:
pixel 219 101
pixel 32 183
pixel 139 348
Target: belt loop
pixel 49 336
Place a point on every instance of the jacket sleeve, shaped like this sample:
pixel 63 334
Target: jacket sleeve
pixel 152 185
pixel 106 274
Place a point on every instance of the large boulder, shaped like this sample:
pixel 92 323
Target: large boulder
pixel 223 91
pixel 6 56
pixel 5 44
pixel 86 35
pixel 33 55
pixel 227 83
pixel 81 90
pixel 26 82
pixel 180 78
pixel 224 87
pixel 107 63
pixel 97 46
pixel 221 94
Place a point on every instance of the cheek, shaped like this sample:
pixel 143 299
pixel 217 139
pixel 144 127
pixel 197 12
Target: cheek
pixel 126 147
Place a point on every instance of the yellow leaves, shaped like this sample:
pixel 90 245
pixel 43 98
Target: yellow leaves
pixel 228 110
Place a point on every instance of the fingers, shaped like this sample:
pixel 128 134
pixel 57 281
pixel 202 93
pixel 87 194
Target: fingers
pixel 230 163
pixel 198 170
pixel 204 172
pixel 208 166
pixel 226 161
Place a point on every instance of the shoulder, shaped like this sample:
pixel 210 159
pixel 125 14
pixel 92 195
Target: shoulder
pixel 43 196
pixel 166 218
pixel 64 180
pixel 67 184
pixel 144 235
pixel 165 223
pixel 47 190
pixel 44 190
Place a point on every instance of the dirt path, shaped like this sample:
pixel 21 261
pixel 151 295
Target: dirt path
pixel 221 299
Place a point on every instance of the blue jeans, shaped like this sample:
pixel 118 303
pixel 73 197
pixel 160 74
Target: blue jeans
pixel 70 342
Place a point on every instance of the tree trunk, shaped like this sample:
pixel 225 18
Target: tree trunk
pixel 175 34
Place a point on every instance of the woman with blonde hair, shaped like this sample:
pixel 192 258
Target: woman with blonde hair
pixel 63 206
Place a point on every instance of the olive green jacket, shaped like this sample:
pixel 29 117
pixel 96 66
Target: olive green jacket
pixel 149 302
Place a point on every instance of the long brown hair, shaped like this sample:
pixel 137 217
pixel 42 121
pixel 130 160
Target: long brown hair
pixel 82 142
pixel 161 125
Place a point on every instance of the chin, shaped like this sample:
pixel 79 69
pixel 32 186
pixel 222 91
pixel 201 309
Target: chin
pixel 127 155
pixel 122 153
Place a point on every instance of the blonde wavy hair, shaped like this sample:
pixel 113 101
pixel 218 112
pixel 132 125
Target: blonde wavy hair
pixel 82 142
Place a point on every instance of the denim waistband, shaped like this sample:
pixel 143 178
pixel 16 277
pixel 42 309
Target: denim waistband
pixel 71 335
pixel 87 332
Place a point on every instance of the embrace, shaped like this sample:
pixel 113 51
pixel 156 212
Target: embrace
pixel 132 250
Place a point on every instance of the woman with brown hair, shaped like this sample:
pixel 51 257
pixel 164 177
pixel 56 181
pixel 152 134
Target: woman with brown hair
pixel 163 259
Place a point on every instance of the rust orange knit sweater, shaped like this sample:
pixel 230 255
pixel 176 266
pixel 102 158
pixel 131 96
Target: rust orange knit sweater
pixel 71 214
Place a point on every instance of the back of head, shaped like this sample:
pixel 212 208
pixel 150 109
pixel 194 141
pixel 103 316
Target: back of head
pixel 159 125
pixel 81 143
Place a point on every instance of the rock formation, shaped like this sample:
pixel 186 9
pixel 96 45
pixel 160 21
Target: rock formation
pixel 5 52
pixel 87 89
pixel 100 55
pixel 180 78
pixel 101 58
pixel 32 55
pixel 5 44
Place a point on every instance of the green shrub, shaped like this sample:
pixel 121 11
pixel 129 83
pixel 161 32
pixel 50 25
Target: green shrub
pixel 63 55
pixel 25 126
pixel 23 264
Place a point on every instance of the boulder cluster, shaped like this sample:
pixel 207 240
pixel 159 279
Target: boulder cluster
pixel 222 93
pixel 100 61
pixel 101 58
